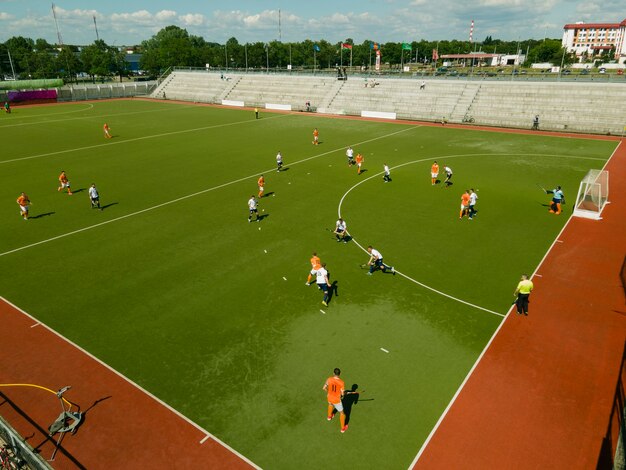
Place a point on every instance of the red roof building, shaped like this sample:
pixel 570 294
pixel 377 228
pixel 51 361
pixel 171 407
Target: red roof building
pixel 595 38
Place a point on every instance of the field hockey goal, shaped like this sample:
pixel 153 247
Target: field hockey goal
pixel 593 194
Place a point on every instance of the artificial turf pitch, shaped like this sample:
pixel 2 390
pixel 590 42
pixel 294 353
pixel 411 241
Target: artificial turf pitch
pixel 171 286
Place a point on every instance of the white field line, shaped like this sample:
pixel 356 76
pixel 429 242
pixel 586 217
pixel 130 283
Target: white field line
pixel 447 157
pixel 188 196
pixel 137 139
pixel 30 116
pixel 123 377
pixel 495 333
pixel 83 118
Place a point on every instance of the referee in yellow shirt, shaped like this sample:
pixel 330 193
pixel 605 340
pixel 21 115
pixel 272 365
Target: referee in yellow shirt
pixel 523 290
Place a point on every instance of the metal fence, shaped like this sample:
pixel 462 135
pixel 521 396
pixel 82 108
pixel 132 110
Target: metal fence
pixel 21 454
pixel 104 91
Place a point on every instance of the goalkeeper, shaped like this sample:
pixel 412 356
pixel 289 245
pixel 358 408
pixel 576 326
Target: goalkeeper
pixel 558 199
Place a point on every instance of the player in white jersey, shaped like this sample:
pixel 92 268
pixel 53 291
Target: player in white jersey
pixel 472 202
pixel 376 262
pixel 350 155
pixel 448 171
pixel 94 196
pixel 387 175
pixel 252 207
pixel 323 283
pixel 341 231
pixel 279 161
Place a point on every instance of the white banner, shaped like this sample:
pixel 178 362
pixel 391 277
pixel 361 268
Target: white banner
pixel 284 107
pixel 232 103
pixel 378 114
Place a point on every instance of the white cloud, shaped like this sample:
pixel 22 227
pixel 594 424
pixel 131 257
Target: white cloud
pixel 6 16
pixel 73 14
pixel 165 15
pixel 192 19
pixel 141 16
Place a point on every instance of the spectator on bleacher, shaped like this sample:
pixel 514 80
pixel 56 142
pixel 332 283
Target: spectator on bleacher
pixel 536 123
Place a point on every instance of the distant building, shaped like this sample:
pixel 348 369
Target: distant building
pixel 483 59
pixel 595 38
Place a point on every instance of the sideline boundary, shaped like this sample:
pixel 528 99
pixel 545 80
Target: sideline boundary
pixel 134 384
pixel 484 351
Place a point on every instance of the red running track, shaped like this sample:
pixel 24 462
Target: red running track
pixel 124 426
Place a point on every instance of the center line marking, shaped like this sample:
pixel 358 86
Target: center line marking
pixel 182 198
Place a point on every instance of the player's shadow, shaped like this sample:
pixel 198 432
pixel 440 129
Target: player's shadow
pixel 271 193
pixel 39 216
pixel 351 398
pixel 448 184
pixel 333 291
pixel 263 216
pixel 364 170
pixel 109 205
pixel 80 190
pixel 437 181
pixel 286 168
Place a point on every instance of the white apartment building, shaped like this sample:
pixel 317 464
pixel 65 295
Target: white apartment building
pixel 595 38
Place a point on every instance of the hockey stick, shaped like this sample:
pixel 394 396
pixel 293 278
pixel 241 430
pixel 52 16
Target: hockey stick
pixel 542 188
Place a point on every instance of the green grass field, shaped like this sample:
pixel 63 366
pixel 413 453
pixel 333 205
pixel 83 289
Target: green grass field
pixel 171 286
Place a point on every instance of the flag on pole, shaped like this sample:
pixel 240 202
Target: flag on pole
pixel 345 45
pixel 406 46
pixel 316 48
pixel 435 54
pixel 374 46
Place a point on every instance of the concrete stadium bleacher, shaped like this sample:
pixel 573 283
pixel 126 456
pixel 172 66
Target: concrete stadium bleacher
pixel 576 106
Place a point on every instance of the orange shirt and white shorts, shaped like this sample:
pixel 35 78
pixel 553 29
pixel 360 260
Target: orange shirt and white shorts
pixel 334 388
pixel 434 171
pixel 465 201
pixel 316 263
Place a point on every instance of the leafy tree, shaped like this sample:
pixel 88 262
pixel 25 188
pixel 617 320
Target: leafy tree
pixel 99 59
pixel 68 62
pixel 20 50
pixel 171 47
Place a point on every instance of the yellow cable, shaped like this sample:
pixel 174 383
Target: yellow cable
pixel 38 386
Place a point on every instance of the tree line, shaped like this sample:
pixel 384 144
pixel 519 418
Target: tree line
pixel 173 46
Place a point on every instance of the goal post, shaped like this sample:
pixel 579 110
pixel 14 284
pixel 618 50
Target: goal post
pixel 593 194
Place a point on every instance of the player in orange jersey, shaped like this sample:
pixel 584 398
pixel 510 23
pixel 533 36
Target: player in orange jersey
pixel 359 162
pixel 316 137
pixel 465 200
pixel 434 172
pixel 107 130
pixel 335 389
pixel 261 183
pixel 24 204
pixel 64 183
pixel 316 263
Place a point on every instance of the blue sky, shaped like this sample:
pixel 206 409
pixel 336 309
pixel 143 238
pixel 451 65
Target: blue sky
pixel 129 22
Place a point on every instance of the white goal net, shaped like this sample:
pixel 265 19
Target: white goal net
pixel 593 194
